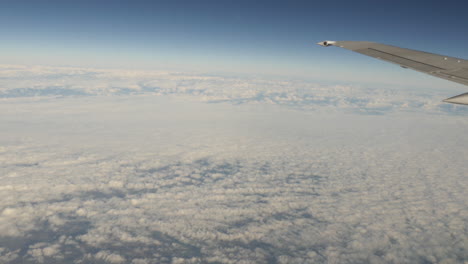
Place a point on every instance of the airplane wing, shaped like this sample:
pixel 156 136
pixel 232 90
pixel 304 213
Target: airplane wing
pixel 445 67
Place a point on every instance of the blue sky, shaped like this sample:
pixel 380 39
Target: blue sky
pixel 334 158
pixel 252 37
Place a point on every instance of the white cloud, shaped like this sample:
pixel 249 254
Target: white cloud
pixel 52 82
pixel 163 179
pixel 109 257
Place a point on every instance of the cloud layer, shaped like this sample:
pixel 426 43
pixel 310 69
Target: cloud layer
pixel 37 82
pixel 144 178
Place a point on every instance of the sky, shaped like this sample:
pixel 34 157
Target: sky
pixel 231 37
pixel 149 132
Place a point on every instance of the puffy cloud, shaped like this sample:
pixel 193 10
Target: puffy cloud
pixel 109 257
pixel 164 179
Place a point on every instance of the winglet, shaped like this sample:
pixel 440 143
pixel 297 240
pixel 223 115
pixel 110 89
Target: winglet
pixel 326 43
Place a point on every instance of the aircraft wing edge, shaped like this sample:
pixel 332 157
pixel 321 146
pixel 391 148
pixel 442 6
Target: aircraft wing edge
pixel 372 49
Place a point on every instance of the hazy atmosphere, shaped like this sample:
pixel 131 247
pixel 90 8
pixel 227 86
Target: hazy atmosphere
pixel 218 132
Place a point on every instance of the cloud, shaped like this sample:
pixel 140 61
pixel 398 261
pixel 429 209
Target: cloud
pixel 46 82
pixel 146 178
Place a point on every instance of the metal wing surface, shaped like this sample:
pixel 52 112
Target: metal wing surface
pixel 445 67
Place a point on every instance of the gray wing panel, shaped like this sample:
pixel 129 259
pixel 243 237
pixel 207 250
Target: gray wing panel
pixel 445 67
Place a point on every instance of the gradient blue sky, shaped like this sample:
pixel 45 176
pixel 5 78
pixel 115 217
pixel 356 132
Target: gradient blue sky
pixel 252 37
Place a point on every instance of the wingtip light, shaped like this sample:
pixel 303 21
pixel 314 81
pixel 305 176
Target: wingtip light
pixel 326 43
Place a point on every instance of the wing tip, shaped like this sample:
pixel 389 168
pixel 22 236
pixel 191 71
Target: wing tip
pixel 326 43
